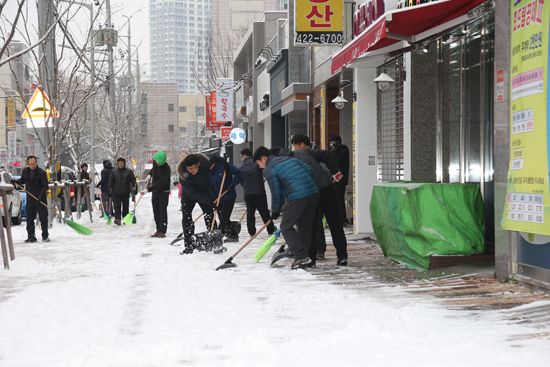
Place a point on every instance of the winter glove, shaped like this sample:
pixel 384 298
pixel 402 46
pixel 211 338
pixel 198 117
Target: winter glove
pixel 148 178
pixel 338 176
pixel 227 169
pixel 213 205
pixel 231 187
pixel 145 191
pixel 275 215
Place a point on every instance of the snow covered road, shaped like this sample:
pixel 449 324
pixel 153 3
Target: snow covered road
pixel 121 298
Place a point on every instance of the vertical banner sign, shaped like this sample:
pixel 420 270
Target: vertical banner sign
pixel 11 113
pixel 3 156
pixel 209 113
pixel 319 22
pixel 527 200
pixel 213 107
pixel 224 99
pixel 11 145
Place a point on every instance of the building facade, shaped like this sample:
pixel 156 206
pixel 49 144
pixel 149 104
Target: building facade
pixel 178 31
pixel 160 124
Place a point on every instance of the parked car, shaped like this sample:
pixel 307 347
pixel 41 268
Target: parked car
pixel 24 197
pixel 68 174
pixel 13 201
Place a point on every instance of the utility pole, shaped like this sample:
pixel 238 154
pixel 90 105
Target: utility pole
pixel 109 26
pixel 129 86
pixel 47 60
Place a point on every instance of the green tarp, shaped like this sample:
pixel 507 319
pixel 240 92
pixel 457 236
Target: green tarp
pixel 414 220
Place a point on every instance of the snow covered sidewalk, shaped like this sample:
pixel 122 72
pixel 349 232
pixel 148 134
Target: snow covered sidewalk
pixel 122 298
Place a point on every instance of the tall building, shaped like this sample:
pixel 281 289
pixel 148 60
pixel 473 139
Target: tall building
pixel 177 32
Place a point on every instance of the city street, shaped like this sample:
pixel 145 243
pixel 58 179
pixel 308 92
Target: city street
pixel 121 298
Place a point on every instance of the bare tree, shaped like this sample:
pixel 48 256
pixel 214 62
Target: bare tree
pixel 9 27
pixel 213 58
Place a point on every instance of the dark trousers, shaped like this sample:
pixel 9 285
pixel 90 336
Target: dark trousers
pixel 327 198
pixel 121 201
pixel 32 208
pixel 160 210
pixel 225 219
pixel 105 203
pixel 340 200
pixel 187 206
pixel 253 203
pixel 299 212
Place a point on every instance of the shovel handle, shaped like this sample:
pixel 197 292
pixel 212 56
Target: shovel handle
pixel 218 202
pixel 195 221
pixel 53 211
pixel 251 238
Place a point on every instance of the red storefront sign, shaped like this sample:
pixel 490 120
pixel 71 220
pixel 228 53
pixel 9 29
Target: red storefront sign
pixel 226 133
pixel 210 112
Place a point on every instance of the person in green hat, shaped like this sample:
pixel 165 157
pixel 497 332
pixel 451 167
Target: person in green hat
pixel 160 187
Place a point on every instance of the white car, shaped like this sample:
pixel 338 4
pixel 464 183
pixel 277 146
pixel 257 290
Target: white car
pixel 13 201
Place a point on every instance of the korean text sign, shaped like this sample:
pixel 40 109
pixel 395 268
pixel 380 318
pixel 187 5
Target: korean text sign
pixel 319 22
pixel 224 99
pixel 527 206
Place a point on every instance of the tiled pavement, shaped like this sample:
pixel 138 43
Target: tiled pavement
pixel 469 288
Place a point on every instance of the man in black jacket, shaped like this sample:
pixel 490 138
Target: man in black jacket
pixel 160 176
pixel 122 183
pixel 327 199
pixel 340 153
pixel 36 183
pixel 194 172
pixel 254 193
pixel 104 184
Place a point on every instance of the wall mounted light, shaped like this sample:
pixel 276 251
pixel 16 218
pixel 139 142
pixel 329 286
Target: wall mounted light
pixel 384 81
pixel 339 102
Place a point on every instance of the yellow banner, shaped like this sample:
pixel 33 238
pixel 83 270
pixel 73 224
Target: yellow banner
pixel 527 202
pixel 11 113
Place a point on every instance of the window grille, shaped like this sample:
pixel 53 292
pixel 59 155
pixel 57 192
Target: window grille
pixel 390 124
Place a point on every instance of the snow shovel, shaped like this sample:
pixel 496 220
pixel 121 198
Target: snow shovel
pixel 128 219
pixel 213 239
pixel 266 246
pixel 281 253
pixel 180 236
pixel 228 263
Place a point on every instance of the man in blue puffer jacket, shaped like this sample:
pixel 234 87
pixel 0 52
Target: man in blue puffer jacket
pixel 288 177
pixel 227 201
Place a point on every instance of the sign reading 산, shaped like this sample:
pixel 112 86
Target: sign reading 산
pixel 527 206
pixel 319 22
pixel 39 110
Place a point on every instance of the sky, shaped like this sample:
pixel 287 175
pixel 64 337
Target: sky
pixel 121 298
pixel 137 10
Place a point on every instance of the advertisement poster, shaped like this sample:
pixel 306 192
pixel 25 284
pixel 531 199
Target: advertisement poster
pixel 210 112
pixel 528 203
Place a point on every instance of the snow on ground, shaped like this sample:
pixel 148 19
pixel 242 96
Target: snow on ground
pixel 121 298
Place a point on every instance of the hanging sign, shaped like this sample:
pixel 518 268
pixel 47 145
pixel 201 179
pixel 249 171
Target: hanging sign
pixel 224 99
pixel 237 136
pixel 527 206
pixel 226 133
pixel 319 22
pixel 11 113
pixel 211 113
